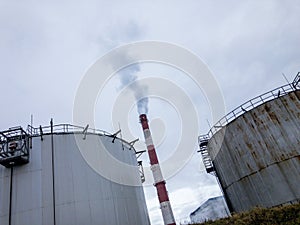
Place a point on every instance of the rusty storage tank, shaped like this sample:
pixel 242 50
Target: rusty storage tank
pixel 44 179
pixel 254 150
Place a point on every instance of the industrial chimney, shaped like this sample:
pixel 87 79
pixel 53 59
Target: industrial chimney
pixel 159 181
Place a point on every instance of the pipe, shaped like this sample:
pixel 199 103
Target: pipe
pixel 159 181
pixel 10 195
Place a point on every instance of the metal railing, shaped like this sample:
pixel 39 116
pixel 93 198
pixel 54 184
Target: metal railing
pixel 254 102
pixel 69 128
pixel 63 128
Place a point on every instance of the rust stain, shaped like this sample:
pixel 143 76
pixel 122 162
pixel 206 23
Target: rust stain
pixel 249 167
pixel 284 100
pixel 258 136
pixel 267 108
pixel 259 143
pixel 254 154
pixel 298 94
pixel 283 157
pixel 249 145
pixel 239 127
pixel 260 166
pixel 292 97
pixel 274 117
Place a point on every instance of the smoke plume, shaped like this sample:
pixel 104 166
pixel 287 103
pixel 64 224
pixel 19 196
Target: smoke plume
pixel 128 76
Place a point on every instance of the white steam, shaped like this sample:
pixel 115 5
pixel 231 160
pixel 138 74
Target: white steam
pixel 128 76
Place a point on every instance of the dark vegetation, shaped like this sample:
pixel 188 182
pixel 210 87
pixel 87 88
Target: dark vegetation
pixel 259 216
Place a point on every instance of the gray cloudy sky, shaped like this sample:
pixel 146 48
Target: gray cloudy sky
pixel 47 46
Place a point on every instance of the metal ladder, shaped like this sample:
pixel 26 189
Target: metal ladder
pixel 203 142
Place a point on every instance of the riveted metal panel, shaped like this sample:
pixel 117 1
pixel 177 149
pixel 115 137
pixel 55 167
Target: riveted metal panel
pixel 257 155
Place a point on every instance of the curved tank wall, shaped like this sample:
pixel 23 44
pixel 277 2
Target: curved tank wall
pixel 258 162
pixel 76 193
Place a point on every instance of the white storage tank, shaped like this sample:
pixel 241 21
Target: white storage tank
pixel 57 186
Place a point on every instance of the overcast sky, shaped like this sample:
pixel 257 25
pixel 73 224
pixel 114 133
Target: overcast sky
pixel 47 46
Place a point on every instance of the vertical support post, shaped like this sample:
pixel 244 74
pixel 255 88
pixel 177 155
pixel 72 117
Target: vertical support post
pixel 159 181
pixel 53 172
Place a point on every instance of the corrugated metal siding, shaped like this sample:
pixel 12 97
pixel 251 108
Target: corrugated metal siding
pixel 82 196
pixel 258 159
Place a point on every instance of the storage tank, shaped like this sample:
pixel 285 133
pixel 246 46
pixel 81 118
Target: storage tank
pixel 45 179
pixel 254 150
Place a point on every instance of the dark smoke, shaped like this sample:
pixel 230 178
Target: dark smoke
pixel 128 76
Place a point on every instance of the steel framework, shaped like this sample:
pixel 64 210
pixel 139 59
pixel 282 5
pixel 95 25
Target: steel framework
pixel 14 147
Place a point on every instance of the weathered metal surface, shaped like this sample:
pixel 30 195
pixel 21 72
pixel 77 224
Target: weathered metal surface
pixel 257 156
pixel 81 195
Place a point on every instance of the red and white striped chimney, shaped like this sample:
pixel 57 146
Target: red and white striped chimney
pixel 159 181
